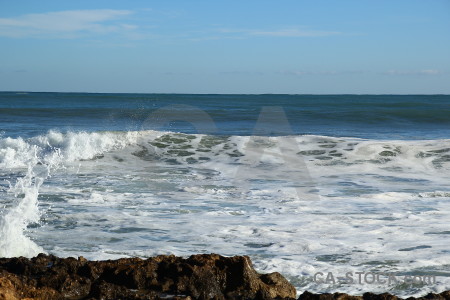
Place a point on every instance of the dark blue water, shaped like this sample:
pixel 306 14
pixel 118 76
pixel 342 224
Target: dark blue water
pixel 363 116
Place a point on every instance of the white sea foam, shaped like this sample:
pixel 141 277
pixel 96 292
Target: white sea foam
pixel 40 156
pixel 377 205
pixel 13 242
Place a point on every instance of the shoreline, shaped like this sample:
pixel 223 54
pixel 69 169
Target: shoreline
pixel 201 276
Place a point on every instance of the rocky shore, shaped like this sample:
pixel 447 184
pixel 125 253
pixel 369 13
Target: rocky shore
pixel 163 277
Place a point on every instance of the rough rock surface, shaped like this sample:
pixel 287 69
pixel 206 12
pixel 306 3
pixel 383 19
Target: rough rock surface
pixel 198 277
pixel 163 277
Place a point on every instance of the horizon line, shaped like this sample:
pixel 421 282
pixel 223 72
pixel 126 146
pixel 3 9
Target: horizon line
pixel 248 94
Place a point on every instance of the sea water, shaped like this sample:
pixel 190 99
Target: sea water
pixel 318 188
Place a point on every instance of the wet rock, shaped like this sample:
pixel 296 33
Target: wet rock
pixel 169 277
pixel 370 296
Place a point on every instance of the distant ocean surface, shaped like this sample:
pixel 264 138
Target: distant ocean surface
pixel 300 183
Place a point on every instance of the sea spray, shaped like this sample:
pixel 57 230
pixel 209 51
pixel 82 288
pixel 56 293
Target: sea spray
pixel 38 158
pixel 13 225
pixel 25 211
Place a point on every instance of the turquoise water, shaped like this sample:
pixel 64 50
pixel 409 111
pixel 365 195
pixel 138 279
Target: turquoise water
pixel 300 183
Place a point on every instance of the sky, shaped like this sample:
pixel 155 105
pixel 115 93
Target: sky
pixel 229 46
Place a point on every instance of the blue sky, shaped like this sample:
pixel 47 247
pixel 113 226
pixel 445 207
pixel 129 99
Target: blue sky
pixel 283 46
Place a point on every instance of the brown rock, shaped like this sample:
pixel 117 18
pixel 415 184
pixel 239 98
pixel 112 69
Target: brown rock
pixel 212 276
pixel 326 296
pixel 7 289
pixel 384 296
pixel 197 277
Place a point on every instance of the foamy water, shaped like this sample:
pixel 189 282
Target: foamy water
pixel 298 204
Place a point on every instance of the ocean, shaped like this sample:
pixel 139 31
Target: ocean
pixel 320 188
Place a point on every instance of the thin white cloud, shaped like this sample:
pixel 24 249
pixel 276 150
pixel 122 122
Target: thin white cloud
pixel 294 33
pixel 283 32
pixel 233 73
pixel 419 72
pixel 307 73
pixel 65 24
pixel 426 72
